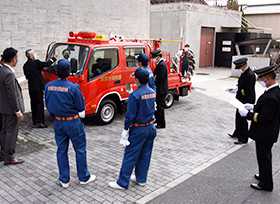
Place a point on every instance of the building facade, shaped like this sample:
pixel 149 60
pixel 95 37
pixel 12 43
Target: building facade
pixel 264 16
pixel 194 24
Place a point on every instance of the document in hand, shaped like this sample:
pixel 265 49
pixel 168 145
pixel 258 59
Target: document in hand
pixel 236 103
pixel 230 90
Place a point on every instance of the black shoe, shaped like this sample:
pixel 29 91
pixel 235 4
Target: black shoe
pixel 232 136
pixel 159 127
pixel 14 161
pixel 258 187
pixel 41 125
pixel 257 176
pixel 239 142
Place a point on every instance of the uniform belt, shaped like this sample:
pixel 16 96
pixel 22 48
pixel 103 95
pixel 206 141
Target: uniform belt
pixel 145 124
pixel 67 118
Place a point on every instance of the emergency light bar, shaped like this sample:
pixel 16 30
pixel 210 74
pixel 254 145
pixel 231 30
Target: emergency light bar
pixel 82 34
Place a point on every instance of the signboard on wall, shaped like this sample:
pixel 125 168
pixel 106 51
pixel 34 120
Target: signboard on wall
pixel 226 42
pixel 226 49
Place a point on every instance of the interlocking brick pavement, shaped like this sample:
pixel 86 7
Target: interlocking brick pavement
pixel 196 132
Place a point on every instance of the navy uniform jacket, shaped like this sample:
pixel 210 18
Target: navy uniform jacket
pixel 32 70
pixel 246 87
pixel 265 119
pixel 64 98
pixel 151 82
pixel 160 74
pixel 140 106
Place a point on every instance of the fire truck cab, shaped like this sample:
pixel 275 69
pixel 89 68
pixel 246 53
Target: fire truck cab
pixel 103 67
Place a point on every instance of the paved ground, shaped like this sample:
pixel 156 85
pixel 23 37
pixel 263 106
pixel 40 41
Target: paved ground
pixel 195 138
pixel 226 182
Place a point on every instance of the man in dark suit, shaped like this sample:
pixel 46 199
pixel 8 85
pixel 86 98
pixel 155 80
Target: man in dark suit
pixel 160 74
pixel 1 65
pixel 245 94
pixel 36 84
pixel 11 107
pixel 264 128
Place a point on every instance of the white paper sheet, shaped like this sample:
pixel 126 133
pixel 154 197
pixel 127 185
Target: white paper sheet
pixel 236 103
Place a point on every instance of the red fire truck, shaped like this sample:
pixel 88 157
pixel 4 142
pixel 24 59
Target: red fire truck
pixel 103 67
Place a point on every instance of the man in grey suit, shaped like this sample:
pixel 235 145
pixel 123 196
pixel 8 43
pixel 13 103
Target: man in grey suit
pixel 11 107
pixel 1 65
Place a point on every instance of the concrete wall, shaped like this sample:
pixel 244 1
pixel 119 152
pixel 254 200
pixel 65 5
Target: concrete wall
pixel 35 23
pixel 266 21
pixel 167 21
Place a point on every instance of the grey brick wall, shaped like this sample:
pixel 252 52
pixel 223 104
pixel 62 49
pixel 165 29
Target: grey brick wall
pixel 35 23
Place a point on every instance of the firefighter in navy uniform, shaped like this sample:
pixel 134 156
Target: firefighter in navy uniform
pixel 185 63
pixel 245 94
pixel 64 101
pixel 160 74
pixel 264 128
pixel 143 61
pixel 138 134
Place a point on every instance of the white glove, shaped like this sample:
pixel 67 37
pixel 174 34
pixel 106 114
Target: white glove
pixel 243 112
pixel 82 114
pixel 124 138
pixel 249 106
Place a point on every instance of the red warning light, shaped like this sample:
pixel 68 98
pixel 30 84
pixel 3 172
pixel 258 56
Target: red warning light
pixel 82 34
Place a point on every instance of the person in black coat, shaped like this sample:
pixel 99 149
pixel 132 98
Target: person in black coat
pixel 160 74
pixel 245 94
pixel 264 128
pixel 36 84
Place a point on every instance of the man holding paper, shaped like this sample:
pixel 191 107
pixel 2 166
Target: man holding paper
pixel 264 128
pixel 245 93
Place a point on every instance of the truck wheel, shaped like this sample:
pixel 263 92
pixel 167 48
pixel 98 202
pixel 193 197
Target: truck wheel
pixel 169 99
pixel 107 112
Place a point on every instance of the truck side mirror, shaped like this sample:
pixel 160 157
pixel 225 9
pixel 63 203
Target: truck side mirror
pixel 74 65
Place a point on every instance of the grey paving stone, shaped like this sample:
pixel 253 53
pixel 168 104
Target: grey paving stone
pixel 98 198
pixel 10 198
pixel 110 198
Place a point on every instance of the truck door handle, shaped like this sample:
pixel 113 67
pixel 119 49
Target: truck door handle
pixel 117 82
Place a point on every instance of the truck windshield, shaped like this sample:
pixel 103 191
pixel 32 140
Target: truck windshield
pixel 69 51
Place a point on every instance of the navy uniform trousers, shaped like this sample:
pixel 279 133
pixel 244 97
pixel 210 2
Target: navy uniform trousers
pixel 264 158
pixel 241 128
pixel 137 154
pixel 73 130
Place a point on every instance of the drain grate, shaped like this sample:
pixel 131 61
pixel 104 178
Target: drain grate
pixel 201 73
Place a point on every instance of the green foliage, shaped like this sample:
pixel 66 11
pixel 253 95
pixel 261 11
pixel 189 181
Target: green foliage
pixel 244 22
pixel 232 4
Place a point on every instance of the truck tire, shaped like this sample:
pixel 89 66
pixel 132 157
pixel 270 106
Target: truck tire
pixel 107 112
pixel 169 99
